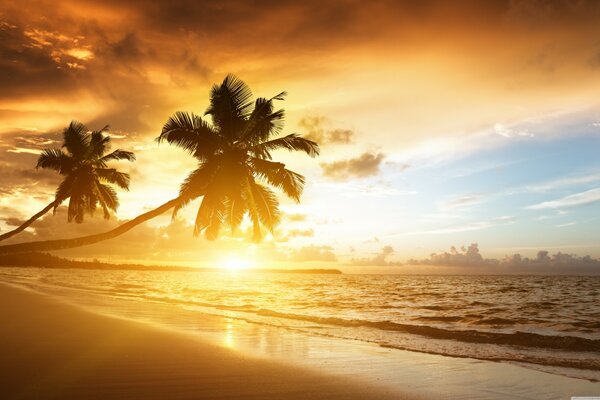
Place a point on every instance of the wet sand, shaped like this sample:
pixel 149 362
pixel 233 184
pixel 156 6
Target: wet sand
pixel 51 350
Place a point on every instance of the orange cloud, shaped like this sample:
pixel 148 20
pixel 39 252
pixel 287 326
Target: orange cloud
pixel 365 165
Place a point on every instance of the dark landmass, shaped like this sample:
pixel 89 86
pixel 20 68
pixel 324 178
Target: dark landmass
pixel 45 260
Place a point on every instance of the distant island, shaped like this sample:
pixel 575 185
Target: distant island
pixel 45 260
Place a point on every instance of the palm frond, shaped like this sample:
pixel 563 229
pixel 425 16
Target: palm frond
pixel 116 155
pixel 82 195
pixel 64 190
pixel 191 133
pixel 230 105
pixel 236 209
pixel 195 185
pixel 217 219
pixel 111 175
pixel 253 212
pixel 210 216
pixel 266 204
pixel 107 197
pixel 291 142
pixel 274 173
pixel 55 159
pixel 263 122
pixel 76 140
pixel 98 144
pixel 75 210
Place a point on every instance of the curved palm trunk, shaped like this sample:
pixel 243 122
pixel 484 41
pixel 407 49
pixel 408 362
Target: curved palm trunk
pixel 30 221
pixel 47 245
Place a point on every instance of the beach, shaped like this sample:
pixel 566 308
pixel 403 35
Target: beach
pixel 51 350
pixel 58 344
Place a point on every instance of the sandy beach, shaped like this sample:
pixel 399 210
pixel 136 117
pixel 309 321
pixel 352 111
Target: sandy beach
pixel 51 350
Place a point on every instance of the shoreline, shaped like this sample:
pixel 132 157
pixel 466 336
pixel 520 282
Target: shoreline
pixel 396 373
pixel 68 353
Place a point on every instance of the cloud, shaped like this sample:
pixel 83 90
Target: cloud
pixel 594 59
pixel 464 201
pixel 300 233
pixel 509 132
pixel 297 217
pixel 466 227
pixel 314 127
pixel 294 233
pixel 363 166
pixel 566 224
pixel 380 259
pixel 573 200
pixel 313 253
pixel 562 182
pixel 463 256
pixel 542 263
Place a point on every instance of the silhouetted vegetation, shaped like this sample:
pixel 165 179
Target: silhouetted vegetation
pixel 83 162
pixel 234 155
pixel 45 260
pixel 234 159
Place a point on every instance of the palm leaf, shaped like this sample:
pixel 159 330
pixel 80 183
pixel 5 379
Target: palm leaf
pixel 195 184
pixel 210 216
pixel 98 144
pixel 274 173
pixel 191 133
pixel 263 122
pixel 64 190
pixel 76 140
pixel 291 142
pixel 236 209
pixel 107 197
pixel 116 155
pixel 266 204
pixel 230 105
pixel 56 160
pixel 111 175
pixel 253 211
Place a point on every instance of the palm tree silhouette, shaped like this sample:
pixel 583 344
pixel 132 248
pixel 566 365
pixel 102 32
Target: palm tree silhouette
pixel 234 159
pixel 83 162
pixel 234 156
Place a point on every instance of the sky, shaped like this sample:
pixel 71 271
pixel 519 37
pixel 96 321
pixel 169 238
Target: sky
pixel 440 123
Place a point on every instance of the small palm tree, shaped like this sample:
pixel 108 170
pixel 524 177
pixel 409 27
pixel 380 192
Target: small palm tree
pixel 234 159
pixel 83 162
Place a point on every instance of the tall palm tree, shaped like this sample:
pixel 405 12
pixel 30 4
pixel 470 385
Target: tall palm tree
pixel 234 159
pixel 83 162
pixel 234 155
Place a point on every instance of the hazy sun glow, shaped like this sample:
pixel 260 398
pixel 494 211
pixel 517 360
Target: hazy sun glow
pixel 236 264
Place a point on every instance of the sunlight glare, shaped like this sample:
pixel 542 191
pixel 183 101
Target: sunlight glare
pixel 236 264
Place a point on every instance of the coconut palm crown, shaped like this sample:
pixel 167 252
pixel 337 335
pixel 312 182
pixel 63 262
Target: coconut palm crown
pixel 83 161
pixel 234 153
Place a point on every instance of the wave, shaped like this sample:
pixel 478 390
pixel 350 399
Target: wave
pixel 441 318
pixel 495 321
pixel 518 338
pixel 524 339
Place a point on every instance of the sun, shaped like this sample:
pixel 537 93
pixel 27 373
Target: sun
pixel 236 264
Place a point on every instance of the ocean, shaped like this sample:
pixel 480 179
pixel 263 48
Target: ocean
pixel 549 323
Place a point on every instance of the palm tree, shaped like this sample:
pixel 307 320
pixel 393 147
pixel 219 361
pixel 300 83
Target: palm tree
pixel 234 159
pixel 234 155
pixel 83 162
